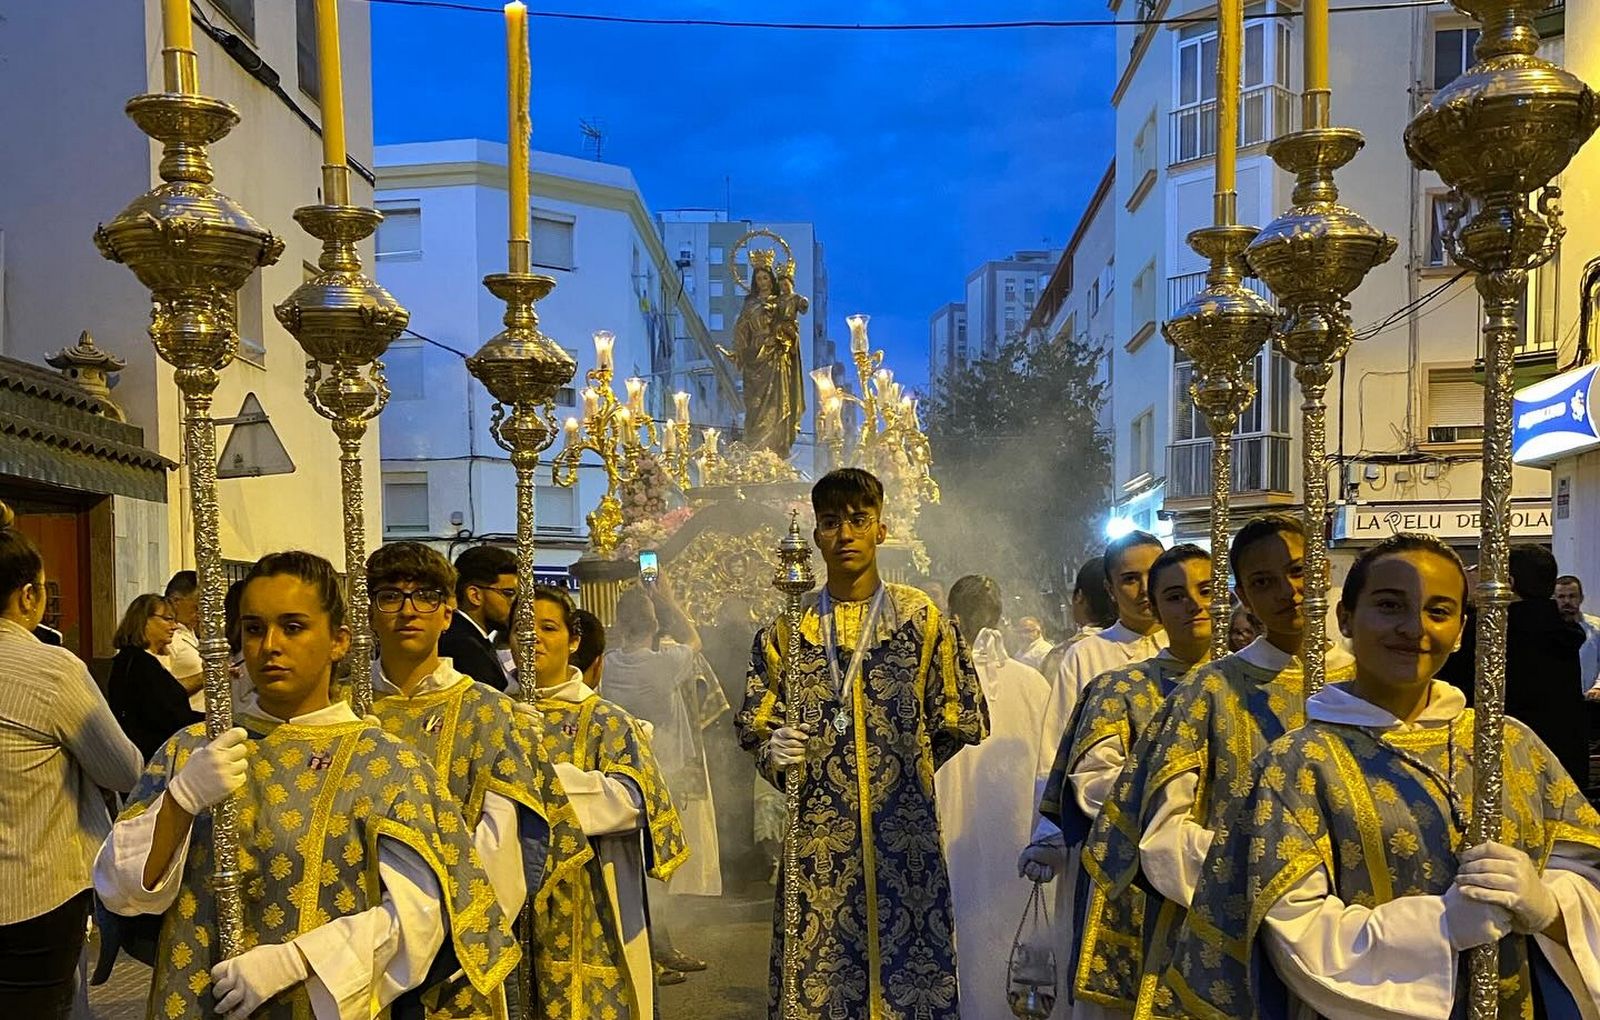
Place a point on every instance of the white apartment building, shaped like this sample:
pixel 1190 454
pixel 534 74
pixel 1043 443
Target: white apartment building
pixel 1405 411
pixel 998 298
pixel 75 160
pixel 444 478
pixel 702 244
pixel 1075 305
pixel 947 341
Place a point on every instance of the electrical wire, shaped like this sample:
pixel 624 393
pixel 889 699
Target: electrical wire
pixel 955 26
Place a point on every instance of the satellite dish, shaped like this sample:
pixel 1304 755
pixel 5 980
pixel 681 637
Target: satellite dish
pixel 253 447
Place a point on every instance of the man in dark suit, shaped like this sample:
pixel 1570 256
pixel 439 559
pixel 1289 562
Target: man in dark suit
pixel 486 586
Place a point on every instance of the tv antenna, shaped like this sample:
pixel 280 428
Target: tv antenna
pixel 594 136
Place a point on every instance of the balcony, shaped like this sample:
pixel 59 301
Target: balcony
pixel 1265 112
pixel 1260 464
pixel 1182 288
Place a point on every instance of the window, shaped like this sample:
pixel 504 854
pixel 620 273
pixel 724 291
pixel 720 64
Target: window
pixel 715 287
pixel 251 324
pixel 1266 108
pixel 1094 298
pixel 1069 329
pixel 557 508
pixel 1144 296
pixel 241 12
pixel 552 240
pixel 1011 290
pixel 1438 226
pixel 1142 443
pixel 305 48
pixel 715 321
pixel 1030 293
pixel 405 503
pixel 402 366
pixel 1455 406
pixel 1144 160
pixel 1108 278
pixel 1011 326
pixel 1452 54
pixel 400 233
pixel 715 257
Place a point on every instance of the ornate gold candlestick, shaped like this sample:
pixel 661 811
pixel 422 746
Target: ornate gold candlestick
pixel 867 362
pixel 794 579
pixel 345 321
pixel 194 247
pixel 611 431
pixel 1507 126
pixel 522 369
pixel 1313 257
pixel 1221 329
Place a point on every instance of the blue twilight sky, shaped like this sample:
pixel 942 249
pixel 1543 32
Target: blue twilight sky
pixel 917 155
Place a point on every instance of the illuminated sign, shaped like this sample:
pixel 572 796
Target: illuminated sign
pixel 1530 518
pixel 1555 418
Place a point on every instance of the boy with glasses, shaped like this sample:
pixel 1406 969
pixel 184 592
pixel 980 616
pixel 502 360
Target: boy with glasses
pixel 487 753
pixel 485 588
pixel 884 694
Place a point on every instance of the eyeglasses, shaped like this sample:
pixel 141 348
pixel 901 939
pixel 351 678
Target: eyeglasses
pixel 506 593
pixel 392 600
pixel 857 523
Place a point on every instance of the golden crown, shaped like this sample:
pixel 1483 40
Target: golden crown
pixel 762 259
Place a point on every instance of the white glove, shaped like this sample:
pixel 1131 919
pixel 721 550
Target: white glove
pixel 787 745
pixel 1505 877
pixel 211 774
pixel 1469 923
pixel 242 984
pixel 1040 862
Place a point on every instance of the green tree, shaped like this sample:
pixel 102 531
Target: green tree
pixel 1022 463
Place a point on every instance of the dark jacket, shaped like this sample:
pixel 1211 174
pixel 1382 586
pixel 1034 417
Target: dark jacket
pixel 147 700
pixel 472 653
pixel 1543 686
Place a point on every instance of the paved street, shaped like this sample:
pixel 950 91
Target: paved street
pixel 732 934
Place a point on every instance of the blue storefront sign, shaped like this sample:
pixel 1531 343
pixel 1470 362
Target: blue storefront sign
pixel 1555 418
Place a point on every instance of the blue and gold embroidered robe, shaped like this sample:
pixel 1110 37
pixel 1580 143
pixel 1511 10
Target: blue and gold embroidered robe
pixel 479 744
pixel 1212 726
pixel 1384 813
pixel 878 939
pixel 317 801
pixel 1116 706
pixel 580 963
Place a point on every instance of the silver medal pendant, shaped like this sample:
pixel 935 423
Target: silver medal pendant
pixel 841 722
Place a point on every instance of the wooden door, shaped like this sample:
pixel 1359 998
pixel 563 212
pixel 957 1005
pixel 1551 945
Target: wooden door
pixel 63 541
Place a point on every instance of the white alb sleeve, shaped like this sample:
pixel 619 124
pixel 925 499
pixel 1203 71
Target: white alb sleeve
pixel 119 867
pixel 1173 847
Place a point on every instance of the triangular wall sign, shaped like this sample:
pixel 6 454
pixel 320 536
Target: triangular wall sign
pixel 253 447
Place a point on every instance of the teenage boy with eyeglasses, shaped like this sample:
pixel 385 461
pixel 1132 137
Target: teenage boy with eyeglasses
pixel 885 694
pixel 487 753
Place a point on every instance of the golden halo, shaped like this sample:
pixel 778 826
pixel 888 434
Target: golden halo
pixel 739 281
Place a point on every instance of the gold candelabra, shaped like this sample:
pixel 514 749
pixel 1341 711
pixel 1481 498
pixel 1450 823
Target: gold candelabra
pixel 1312 257
pixel 793 578
pixel 193 248
pixel 611 431
pixel 890 425
pixel 1504 128
pixel 677 447
pixel 345 321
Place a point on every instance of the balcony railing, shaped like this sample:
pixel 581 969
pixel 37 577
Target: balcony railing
pixel 1260 464
pixel 1265 112
pixel 1182 288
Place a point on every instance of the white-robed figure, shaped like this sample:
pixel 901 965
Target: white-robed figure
pixel 655 671
pixel 985 803
pixel 1365 901
pixel 355 862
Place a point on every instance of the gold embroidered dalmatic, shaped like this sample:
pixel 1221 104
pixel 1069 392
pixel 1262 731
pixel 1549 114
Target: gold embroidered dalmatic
pixel 878 935
pixel 478 743
pixel 317 801
pixel 579 960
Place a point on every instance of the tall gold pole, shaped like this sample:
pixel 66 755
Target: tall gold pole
pixel 794 579
pixel 345 321
pixel 1313 257
pixel 1223 327
pixel 194 247
pixel 1532 116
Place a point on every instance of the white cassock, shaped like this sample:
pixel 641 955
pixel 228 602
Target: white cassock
pixel 986 810
pixel 1034 654
pixel 1088 657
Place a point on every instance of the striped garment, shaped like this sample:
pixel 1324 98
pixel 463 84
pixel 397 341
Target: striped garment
pixel 58 743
